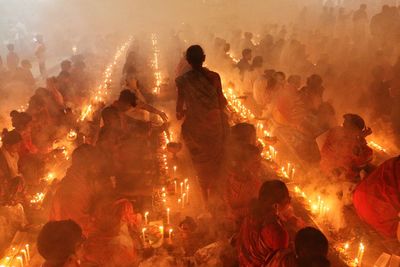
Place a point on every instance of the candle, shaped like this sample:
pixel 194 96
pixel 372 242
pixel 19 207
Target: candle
pixel 168 210
pixel 293 172
pixel 146 215
pixel 144 234
pixel 360 254
pixel 175 171
pixel 181 188
pixel 175 186
pixel 23 251
pixel 28 253
pixel 20 261
pixel 187 194
pixel 186 182
pixel 161 228
pixel 179 202
pixel 170 234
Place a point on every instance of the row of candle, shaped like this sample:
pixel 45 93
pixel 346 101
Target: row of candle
pixel 357 260
pixel 155 65
pixel 103 88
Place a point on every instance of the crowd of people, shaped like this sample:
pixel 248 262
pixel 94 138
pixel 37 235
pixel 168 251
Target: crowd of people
pixel 94 211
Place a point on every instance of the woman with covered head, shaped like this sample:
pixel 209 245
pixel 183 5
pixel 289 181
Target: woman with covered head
pixel 262 232
pixel 201 103
pixel 345 151
pixel 73 198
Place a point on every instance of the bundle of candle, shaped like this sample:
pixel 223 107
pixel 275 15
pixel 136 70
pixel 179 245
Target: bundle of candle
pixel 352 253
pixel 19 253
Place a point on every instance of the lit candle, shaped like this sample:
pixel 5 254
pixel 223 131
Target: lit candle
pixel 23 251
pixel 146 215
pixel 181 188
pixel 175 186
pixel 175 171
pixel 144 234
pixel 168 210
pixel 28 253
pixel 187 194
pixel 186 182
pixel 360 254
pixel 179 202
pixel 293 172
pixel 20 261
pixel 161 228
pixel 170 234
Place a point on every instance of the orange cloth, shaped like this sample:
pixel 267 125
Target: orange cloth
pixel 257 241
pixel 344 153
pixel 377 198
pixel 111 243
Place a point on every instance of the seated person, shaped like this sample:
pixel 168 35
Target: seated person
pixel 59 243
pixel 22 122
pixel 377 201
pixel 115 237
pixel 262 232
pixel 311 250
pixel 243 183
pixel 9 172
pixel 73 198
pixel 345 151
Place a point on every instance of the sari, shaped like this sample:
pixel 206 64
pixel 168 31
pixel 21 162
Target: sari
pixel 205 126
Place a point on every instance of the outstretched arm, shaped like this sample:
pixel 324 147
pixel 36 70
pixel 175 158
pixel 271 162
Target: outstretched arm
pixel 152 109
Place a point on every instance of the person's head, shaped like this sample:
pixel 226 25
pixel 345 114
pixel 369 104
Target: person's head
pixel 353 122
pixel 280 77
pixel 363 7
pixel 127 99
pixel 294 81
pixel 10 47
pixel 311 248
pixel 21 121
pixel 131 80
pixel 66 65
pixel 11 140
pixel 247 54
pixel 195 56
pixel 314 81
pixel 385 9
pixel 248 35
pixel 26 64
pixel 58 241
pixel 257 62
pixel 244 133
pixel 273 198
pixel 64 78
pixel 111 117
